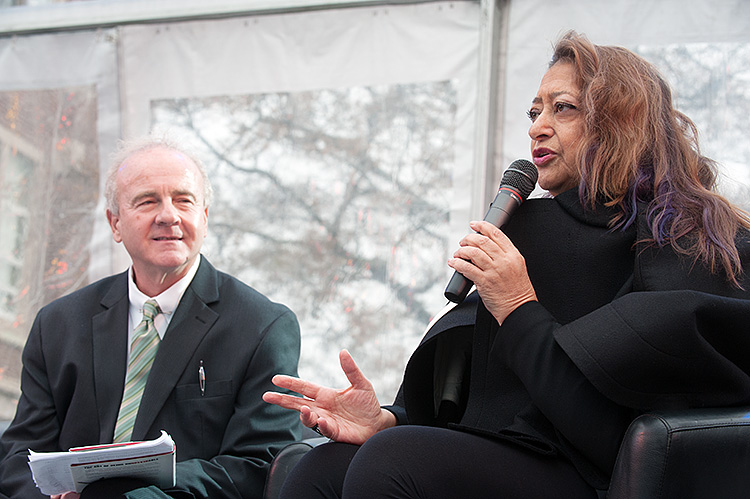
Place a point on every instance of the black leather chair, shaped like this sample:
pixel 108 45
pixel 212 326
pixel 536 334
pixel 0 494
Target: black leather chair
pixel 282 465
pixel 689 454
pixel 286 459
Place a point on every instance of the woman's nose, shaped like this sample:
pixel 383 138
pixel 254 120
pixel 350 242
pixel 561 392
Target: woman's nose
pixel 541 126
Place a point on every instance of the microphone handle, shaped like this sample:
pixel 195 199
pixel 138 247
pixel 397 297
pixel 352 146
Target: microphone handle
pixel 458 287
pixel 506 201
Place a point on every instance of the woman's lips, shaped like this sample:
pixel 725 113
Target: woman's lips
pixel 543 156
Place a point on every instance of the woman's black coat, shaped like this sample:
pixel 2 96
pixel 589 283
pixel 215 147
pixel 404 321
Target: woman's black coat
pixel 619 328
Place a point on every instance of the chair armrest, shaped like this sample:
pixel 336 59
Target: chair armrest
pixel 281 466
pixel 284 461
pixel 695 453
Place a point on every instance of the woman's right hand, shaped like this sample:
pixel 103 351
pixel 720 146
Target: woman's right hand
pixel 351 415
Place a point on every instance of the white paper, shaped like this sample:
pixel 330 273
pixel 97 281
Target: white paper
pixel 60 472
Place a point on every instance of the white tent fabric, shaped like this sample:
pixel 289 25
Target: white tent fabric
pixel 305 51
pixel 67 60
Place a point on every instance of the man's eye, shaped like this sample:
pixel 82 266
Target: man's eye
pixel 532 114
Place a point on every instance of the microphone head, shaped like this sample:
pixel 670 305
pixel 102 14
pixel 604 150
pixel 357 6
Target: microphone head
pixel 521 175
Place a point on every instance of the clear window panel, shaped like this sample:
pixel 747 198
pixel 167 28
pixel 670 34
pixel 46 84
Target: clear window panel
pixel 334 202
pixel 710 83
pixel 49 187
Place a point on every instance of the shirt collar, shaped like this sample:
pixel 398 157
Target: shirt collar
pixel 168 299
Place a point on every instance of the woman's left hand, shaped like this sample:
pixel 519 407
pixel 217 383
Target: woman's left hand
pixel 497 268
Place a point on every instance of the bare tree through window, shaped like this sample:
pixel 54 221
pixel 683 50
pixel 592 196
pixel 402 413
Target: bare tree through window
pixel 335 202
pixel 711 84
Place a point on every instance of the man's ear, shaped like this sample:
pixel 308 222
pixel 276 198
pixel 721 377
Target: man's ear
pixel 114 224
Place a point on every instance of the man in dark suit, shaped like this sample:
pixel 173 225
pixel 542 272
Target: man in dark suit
pixel 219 344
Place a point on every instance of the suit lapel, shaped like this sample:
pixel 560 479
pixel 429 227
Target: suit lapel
pixel 110 337
pixel 190 324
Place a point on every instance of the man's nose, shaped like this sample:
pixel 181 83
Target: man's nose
pixel 168 214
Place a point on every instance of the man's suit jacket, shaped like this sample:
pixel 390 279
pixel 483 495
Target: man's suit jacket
pixel 74 366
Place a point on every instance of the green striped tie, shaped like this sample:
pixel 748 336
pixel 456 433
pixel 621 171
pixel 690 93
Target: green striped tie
pixel 142 353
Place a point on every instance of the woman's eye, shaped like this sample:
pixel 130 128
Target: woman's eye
pixel 562 106
pixel 532 114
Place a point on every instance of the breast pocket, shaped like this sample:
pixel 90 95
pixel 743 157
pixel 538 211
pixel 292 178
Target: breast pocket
pixel 212 389
pixel 203 416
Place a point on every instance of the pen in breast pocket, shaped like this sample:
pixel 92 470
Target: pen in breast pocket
pixel 202 379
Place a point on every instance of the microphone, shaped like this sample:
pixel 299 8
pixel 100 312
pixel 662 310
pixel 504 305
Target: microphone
pixel 517 183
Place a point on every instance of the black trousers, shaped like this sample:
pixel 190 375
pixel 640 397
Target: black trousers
pixel 424 462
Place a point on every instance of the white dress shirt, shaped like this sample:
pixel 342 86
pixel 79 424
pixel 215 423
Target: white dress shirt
pixel 168 301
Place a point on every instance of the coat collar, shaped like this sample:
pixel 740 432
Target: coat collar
pixel 110 343
pixel 598 215
pixel 192 320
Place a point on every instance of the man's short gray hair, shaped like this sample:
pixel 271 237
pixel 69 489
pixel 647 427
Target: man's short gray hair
pixel 127 148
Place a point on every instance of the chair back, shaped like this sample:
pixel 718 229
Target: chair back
pixel 689 454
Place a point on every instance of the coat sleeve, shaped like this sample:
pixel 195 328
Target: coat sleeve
pixel 35 425
pixel 645 350
pixel 397 407
pixel 665 349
